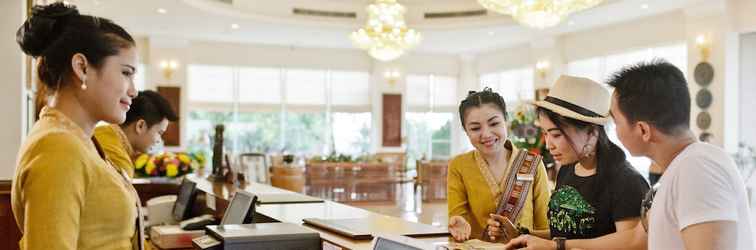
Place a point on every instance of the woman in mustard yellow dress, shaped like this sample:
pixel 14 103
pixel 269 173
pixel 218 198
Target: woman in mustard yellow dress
pixel 477 180
pixel 65 194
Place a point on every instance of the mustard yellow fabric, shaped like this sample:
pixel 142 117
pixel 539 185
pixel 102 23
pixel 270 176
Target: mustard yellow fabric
pixel 117 148
pixel 470 196
pixel 65 196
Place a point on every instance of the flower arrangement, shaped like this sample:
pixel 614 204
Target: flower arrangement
pixel 745 160
pixel 524 132
pixel 167 164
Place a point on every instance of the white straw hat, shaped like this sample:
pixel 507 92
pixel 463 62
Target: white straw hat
pixel 578 98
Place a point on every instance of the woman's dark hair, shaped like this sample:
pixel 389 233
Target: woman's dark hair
pixel 151 107
pixel 609 157
pixel 478 98
pixel 55 33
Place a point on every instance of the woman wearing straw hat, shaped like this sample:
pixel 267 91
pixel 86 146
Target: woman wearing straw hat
pixel 496 177
pixel 598 191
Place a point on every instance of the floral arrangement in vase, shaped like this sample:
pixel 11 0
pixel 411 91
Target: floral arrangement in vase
pixel 168 164
pixel 524 132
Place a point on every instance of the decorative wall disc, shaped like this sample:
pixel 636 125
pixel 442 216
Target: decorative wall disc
pixel 705 137
pixel 703 74
pixel 704 98
pixel 703 120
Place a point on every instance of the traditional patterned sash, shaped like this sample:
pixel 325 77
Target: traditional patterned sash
pixel 517 186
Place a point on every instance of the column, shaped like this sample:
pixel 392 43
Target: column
pixel 13 104
pixel 712 21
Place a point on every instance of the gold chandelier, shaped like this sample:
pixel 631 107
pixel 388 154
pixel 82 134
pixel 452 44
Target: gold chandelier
pixel 538 13
pixel 385 35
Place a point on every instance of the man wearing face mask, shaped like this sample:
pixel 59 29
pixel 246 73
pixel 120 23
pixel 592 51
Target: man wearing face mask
pixel 146 121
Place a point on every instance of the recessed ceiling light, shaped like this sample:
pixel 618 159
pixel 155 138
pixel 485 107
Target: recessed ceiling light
pixel 234 26
pixel 161 11
pixel 644 6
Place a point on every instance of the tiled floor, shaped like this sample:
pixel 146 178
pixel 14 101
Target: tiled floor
pixel 409 207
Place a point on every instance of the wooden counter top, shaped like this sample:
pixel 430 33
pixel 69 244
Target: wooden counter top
pixel 294 213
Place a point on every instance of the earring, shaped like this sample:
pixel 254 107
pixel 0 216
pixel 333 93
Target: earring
pixel 84 84
pixel 587 150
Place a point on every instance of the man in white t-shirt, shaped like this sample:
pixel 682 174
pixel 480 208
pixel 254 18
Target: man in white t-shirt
pixel 700 202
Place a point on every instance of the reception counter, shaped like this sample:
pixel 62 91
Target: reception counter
pixel 215 196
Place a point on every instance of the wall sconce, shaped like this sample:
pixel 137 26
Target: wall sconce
pixel 168 67
pixel 704 46
pixel 392 75
pixel 542 68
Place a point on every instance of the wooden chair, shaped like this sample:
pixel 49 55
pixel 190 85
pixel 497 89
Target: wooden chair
pixel 431 176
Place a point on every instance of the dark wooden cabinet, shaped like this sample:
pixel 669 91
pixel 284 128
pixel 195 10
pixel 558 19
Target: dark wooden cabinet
pixel 9 233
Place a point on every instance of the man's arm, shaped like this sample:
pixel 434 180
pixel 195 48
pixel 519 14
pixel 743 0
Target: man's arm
pixel 711 235
pixel 635 238
pixel 627 224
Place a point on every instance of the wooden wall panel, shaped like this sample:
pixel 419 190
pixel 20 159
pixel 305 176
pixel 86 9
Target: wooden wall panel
pixel 172 135
pixel 392 120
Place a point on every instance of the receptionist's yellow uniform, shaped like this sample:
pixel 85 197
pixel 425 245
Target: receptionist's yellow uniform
pixel 66 196
pixel 116 145
pixel 473 193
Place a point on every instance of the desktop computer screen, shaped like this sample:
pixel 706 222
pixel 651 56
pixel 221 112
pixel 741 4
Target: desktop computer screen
pixel 185 200
pixel 240 209
pixel 399 242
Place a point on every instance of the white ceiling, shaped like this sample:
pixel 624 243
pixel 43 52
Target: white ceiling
pixel 272 22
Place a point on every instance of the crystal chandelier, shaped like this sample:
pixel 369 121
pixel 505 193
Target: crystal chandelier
pixel 538 13
pixel 385 36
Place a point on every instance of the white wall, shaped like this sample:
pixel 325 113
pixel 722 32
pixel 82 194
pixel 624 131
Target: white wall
pixel 712 19
pixel 508 58
pixel 641 33
pixel 11 68
pixel 748 87
pixel 744 12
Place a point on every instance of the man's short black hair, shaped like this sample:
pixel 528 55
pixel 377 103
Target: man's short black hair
pixel 151 107
pixel 655 92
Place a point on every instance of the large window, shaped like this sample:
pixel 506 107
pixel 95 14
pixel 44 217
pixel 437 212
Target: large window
pixel 299 111
pixel 353 136
pixel 431 102
pixel 515 85
pixel 601 68
pixel 139 81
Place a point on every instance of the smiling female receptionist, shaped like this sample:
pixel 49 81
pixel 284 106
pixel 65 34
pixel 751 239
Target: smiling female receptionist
pixel 65 194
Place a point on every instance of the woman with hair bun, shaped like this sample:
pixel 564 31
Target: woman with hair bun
pixel 66 194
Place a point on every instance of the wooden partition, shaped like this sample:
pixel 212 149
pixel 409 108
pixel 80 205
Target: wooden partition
pixel 431 176
pixel 354 182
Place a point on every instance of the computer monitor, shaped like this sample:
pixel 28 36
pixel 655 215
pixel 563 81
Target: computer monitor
pixel 241 208
pixel 398 242
pixel 185 200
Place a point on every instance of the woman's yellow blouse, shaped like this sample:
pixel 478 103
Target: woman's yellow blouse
pixel 65 196
pixel 469 195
